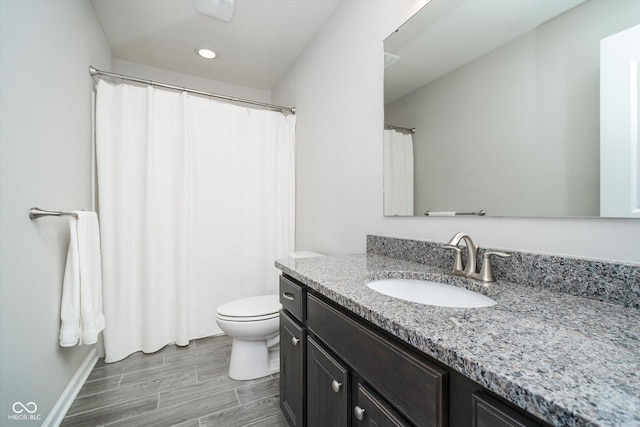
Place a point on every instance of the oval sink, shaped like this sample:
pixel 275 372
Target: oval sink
pixel 431 293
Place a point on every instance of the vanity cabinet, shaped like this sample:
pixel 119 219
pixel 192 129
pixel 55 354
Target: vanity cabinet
pixel 338 370
pixel 293 336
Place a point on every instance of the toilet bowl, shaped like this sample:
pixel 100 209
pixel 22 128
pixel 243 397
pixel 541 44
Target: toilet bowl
pixel 253 323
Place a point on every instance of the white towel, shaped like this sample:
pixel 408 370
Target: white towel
pixel 81 311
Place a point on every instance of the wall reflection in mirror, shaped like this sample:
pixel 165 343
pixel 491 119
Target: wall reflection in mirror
pixel 509 101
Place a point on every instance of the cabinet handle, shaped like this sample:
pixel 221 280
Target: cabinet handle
pixel 335 386
pixel 294 340
pixel 288 296
pixel 359 413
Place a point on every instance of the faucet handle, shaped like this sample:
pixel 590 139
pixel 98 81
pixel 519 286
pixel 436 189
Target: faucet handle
pixel 457 264
pixel 486 272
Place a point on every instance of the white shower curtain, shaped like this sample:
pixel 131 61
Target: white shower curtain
pixel 196 201
pixel 398 173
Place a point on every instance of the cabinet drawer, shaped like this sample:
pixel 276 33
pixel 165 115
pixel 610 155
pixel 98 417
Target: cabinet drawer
pixel 489 412
pixel 414 388
pixel 292 298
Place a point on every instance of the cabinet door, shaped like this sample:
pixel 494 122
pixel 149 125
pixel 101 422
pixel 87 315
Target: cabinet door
pixel 370 410
pixel 292 354
pixel 488 412
pixel 387 367
pixel 327 388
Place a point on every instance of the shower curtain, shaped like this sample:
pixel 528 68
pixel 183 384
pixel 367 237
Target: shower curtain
pixel 196 201
pixel 398 173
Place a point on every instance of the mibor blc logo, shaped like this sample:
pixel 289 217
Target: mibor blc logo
pixel 25 412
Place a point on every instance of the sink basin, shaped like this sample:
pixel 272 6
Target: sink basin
pixel 431 293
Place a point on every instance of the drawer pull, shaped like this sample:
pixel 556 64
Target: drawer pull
pixel 336 386
pixel 294 340
pixel 288 296
pixel 359 413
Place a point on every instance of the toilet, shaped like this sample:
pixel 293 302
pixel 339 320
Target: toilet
pixel 254 325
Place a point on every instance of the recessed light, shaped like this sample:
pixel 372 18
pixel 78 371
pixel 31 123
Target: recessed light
pixel 206 53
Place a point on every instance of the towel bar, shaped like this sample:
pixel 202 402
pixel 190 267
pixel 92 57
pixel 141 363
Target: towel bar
pixel 447 213
pixel 35 213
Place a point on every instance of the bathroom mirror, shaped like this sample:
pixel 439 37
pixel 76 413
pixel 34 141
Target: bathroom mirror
pixel 504 97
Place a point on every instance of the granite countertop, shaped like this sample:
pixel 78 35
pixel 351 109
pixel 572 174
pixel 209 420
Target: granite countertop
pixel 568 360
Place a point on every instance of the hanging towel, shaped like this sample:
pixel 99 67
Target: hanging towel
pixel 81 311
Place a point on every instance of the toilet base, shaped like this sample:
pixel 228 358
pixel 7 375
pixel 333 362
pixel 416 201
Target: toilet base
pixel 253 359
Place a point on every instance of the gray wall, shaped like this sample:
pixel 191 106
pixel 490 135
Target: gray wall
pixel 135 69
pixel 530 109
pixel 336 85
pixel 45 160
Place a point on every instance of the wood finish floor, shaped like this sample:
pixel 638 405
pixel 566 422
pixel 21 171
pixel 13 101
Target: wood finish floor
pixel 176 386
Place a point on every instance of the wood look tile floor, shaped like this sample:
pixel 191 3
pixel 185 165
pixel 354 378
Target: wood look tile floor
pixel 176 386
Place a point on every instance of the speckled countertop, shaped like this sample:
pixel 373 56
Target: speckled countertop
pixel 568 360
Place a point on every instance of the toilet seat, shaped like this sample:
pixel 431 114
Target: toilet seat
pixel 247 318
pixel 250 309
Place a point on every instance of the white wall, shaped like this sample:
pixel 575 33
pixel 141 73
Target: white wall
pixel 336 86
pixel 531 108
pixel 134 69
pixel 45 160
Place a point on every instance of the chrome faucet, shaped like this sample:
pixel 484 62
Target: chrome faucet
pixel 472 254
pixel 486 273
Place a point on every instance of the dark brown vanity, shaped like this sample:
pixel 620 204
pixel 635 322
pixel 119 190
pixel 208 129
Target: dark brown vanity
pixel 337 369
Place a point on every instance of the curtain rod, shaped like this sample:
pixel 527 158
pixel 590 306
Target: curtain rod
pixel 95 72
pixel 408 130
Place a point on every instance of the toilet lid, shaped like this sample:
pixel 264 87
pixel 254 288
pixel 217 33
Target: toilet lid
pixel 251 307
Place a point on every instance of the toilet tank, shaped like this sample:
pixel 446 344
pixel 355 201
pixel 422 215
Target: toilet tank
pixel 303 254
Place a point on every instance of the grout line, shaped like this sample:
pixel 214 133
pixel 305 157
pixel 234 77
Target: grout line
pixel 96 408
pixel 260 398
pixel 128 418
pixel 82 396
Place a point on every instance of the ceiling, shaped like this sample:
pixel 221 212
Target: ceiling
pixel 447 34
pixel 255 49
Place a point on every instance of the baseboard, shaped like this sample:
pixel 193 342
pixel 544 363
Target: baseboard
pixel 59 410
